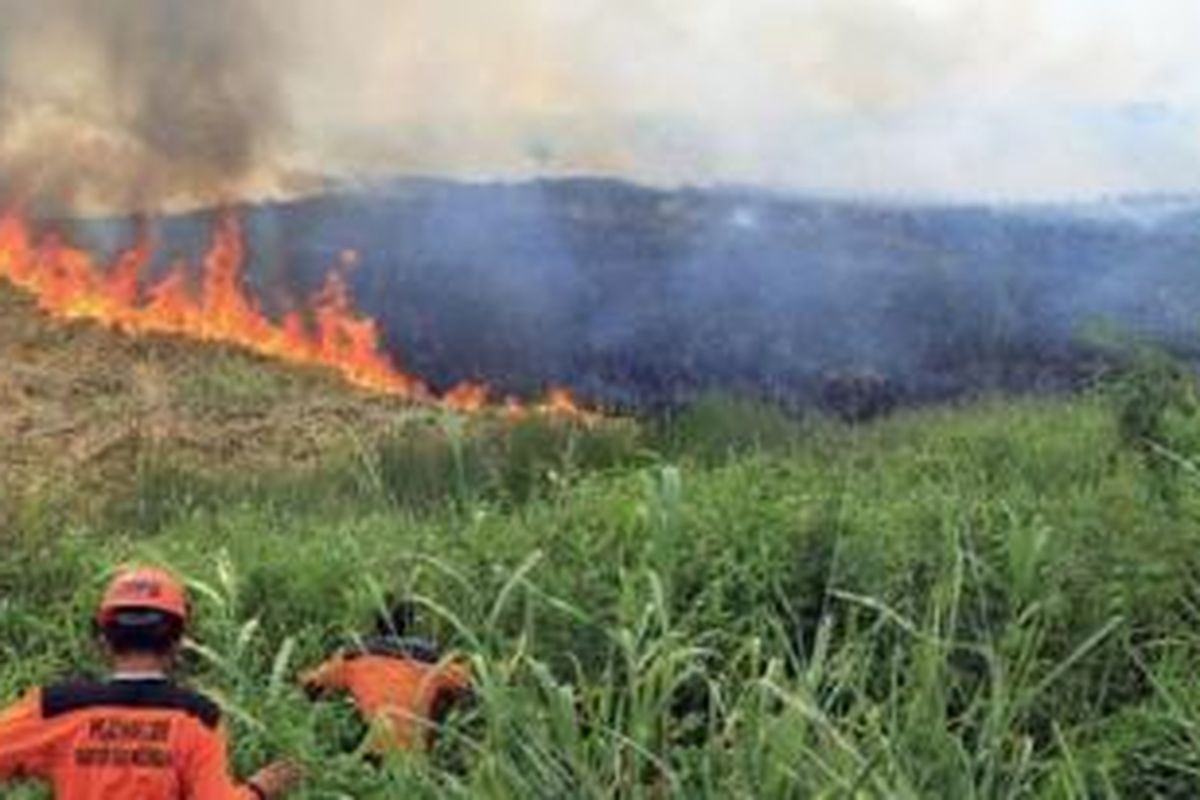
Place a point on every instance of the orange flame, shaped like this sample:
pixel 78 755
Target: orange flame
pixel 68 283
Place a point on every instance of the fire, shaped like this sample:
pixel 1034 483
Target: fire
pixel 69 284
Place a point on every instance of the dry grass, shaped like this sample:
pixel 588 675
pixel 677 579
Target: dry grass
pixel 79 406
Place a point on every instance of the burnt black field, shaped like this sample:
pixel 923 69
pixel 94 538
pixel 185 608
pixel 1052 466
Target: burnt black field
pixel 643 299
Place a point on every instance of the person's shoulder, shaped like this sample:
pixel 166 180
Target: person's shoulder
pixel 391 647
pixel 71 696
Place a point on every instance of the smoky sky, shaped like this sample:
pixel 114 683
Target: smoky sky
pixel 947 98
pixel 170 102
pixel 134 103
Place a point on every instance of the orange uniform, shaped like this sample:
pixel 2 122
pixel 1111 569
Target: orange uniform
pixel 121 740
pixel 398 695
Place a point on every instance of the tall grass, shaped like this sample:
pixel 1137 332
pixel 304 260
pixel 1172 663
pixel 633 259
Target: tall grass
pixel 989 602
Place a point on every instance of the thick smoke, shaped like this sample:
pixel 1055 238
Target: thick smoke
pixel 137 103
pixel 943 98
pixel 644 298
pixel 151 102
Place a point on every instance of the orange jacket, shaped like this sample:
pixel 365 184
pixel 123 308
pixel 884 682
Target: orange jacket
pixel 123 740
pixel 397 695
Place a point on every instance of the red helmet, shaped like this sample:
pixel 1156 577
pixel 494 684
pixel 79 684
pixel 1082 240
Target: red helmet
pixel 144 588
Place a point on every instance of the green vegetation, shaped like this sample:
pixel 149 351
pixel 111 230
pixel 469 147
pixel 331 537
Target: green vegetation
pixel 985 602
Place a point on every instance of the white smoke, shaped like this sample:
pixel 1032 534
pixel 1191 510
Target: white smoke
pixel 955 97
pixel 1013 99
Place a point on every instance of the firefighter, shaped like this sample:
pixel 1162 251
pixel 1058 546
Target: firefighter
pixel 402 687
pixel 137 735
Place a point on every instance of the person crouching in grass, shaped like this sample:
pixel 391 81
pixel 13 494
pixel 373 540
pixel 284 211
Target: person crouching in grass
pixel 401 686
pixel 137 735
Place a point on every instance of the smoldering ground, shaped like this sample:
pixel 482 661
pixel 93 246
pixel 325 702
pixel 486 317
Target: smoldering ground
pixel 647 298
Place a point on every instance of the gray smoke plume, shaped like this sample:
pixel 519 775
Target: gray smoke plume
pixel 181 102
pixel 136 103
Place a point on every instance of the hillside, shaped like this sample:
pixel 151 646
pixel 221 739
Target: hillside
pixel 991 601
pixel 81 407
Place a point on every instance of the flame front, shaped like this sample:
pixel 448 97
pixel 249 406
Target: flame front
pixel 68 283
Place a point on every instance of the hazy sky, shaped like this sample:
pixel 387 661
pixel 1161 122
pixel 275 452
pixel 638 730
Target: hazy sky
pixel 1004 98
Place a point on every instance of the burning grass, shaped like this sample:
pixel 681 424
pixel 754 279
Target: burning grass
pixel 68 284
pixel 81 408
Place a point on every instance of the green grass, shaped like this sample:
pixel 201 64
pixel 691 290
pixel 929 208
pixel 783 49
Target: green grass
pixel 986 602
